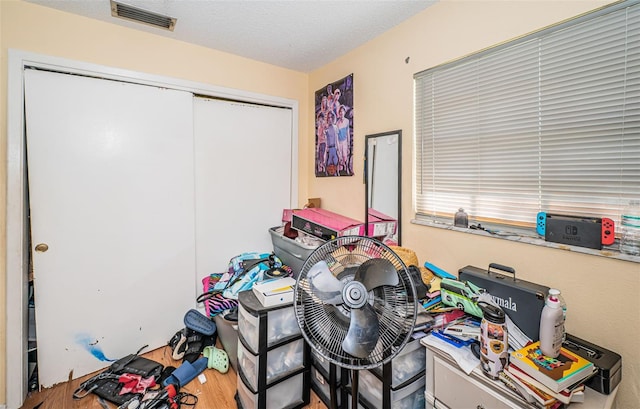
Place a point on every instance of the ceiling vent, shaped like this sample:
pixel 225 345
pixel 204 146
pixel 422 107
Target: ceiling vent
pixel 142 16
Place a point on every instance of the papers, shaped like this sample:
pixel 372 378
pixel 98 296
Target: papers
pixel 463 356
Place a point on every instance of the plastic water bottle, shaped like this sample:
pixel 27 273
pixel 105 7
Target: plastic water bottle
pixel 551 326
pixel 630 238
pixel 556 293
pixel 494 340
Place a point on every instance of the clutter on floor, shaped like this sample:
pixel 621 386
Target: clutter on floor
pixel 486 321
pixel 137 382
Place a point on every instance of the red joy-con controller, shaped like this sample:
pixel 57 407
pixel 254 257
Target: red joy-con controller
pixel 608 232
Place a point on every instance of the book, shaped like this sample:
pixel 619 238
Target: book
pixel 565 396
pixel 556 374
pixel 577 397
pixel 528 392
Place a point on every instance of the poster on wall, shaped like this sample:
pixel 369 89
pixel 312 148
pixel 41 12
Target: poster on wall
pixel 334 129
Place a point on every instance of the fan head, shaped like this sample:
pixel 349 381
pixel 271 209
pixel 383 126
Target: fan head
pixel 355 302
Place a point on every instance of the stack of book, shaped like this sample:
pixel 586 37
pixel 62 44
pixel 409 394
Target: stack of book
pixel 544 381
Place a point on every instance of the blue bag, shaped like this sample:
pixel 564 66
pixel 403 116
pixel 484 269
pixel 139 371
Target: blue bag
pixel 244 271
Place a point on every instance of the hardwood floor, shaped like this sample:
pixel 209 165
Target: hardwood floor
pixel 216 393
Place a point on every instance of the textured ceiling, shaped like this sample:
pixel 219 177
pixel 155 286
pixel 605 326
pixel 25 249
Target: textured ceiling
pixel 301 35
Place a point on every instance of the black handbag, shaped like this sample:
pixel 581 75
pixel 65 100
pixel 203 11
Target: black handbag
pixel 106 384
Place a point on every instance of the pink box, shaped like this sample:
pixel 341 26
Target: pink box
pixel 325 224
pixel 286 215
pixel 380 224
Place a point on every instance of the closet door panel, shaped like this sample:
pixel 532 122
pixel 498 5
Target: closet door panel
pixel 111 188
pixel 243 178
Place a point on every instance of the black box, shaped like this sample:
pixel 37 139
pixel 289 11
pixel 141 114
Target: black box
pixel 609 364
pixel 521 300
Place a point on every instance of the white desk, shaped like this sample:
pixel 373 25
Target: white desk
pixel 448 387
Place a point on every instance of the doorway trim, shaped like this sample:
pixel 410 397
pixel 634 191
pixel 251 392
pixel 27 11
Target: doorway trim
pixel 17 246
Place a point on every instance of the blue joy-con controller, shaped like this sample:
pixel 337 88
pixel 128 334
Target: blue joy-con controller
pixel 541 223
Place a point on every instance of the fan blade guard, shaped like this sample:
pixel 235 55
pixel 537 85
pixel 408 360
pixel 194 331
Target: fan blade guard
pixel 355 302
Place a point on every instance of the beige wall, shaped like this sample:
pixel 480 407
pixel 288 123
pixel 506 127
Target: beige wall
pixel 602 294
pixel 42 30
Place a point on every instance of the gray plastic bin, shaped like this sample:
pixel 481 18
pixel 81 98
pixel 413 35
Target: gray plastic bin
pixel 228 335
pixel 291 252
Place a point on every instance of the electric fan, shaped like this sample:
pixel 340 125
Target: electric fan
pixel 355 303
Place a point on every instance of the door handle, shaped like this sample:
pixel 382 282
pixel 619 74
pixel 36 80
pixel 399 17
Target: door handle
pixel 42 247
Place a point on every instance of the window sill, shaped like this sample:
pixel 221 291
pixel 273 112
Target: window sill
pixel 607 252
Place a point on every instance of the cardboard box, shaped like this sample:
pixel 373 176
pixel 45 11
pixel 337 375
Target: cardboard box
pixel 380 224
pixel 275 292
pixel 325 224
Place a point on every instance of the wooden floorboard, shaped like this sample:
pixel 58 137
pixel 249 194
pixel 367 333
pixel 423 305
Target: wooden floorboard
pixel 216 393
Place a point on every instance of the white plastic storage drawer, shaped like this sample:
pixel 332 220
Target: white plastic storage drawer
pixel 319 362
pixel 410 362
pixel 322 387
pixel 281 324
pixel 287 394
pixel 410 396
pixel 281 361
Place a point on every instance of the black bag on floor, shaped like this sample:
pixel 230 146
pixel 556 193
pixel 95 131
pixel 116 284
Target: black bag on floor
pixel 106 384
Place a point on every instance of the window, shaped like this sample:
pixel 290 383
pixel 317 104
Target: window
pixel 549 122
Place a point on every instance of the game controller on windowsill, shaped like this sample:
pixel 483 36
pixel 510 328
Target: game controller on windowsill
pixel 591 232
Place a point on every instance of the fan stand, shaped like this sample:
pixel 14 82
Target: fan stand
pixel 333 396
pixel 354 388
pixel 333 393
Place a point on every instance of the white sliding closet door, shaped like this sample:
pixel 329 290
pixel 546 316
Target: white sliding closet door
pixel 111 188
pixel 243 178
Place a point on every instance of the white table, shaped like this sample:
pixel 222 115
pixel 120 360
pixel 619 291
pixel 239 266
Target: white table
pixel 449 387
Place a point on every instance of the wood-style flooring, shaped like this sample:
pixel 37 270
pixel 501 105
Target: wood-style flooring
pixel 216 393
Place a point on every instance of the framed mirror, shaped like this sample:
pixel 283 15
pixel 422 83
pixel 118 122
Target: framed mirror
pixel 383 175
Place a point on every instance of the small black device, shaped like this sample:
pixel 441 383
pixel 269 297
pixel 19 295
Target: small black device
pixel 609 364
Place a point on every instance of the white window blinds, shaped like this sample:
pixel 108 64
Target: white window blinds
pixel 549 122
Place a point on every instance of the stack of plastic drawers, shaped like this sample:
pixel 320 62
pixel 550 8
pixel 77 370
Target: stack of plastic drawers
pixel 398 384
pixel 273 358
pixel 324 375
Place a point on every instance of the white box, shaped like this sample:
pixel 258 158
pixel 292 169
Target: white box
pixel 275 292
